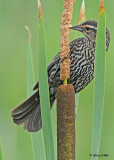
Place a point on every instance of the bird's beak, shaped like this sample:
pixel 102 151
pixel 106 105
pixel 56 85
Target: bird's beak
pixel 78 28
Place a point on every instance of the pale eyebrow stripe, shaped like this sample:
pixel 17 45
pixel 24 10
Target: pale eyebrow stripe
pixel 92 27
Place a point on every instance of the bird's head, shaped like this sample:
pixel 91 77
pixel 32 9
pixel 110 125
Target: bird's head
pixel 88 28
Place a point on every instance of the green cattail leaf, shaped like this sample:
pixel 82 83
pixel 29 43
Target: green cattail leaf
pixel 37 138
pixel 52 11
pixel 81 19
pixel 1 156
pixel 99 83
pixel 44 96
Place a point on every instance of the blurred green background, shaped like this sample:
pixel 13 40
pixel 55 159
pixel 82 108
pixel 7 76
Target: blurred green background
pixel 14 15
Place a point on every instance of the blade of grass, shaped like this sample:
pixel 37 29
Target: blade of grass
pixel 44 96
pixel 1 156
pixel 52 12
pixel 99 81
pixel 37 138
pixel 81 19
pixel 30 70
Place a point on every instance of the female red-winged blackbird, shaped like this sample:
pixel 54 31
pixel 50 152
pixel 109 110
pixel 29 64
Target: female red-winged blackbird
pixel 82 55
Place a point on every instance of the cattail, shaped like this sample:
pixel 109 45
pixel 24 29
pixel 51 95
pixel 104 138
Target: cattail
pixel 65 93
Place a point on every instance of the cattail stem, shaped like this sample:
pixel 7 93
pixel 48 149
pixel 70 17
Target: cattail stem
pixel 66 122
pixel 65 82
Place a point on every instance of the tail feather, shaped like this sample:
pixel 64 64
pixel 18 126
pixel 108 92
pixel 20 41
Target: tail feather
pixel 29 113
pixel 35 123
pixel 25 112
pixel 25 105
pixel 19 119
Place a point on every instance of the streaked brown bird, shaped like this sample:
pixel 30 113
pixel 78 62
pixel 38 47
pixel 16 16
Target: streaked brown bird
pixel 82 55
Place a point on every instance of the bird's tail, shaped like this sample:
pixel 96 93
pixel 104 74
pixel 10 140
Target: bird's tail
pixel 29 114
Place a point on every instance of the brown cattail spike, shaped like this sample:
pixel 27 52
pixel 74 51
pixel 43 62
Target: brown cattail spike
pixel 66 122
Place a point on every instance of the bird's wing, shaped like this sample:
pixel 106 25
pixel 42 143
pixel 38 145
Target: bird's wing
pixel 55 62
pixel 49 67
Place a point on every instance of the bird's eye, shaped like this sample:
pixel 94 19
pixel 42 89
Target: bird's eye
pixel 87 28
